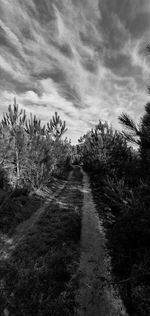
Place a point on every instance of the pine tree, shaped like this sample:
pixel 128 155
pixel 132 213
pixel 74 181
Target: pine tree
pixel 13 133
pixel 104 149
pixel 139 134
pixel 14 117
pixel 33 127
pixel 56 127
pixel 134 131
pixel 145 135
pixel 30 152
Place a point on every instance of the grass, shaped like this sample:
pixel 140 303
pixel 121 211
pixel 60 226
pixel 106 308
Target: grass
pixel 16 209
pixel 41 276
pixel 125 214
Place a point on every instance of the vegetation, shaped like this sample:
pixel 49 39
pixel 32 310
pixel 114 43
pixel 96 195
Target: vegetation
pixel 30 153
pixel 40 275
pixel 39 245
pixel 120 181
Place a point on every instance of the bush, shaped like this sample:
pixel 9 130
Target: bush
pixel 126 215
pixel 41 276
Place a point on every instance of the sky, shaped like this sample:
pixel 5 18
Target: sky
pixel 85 59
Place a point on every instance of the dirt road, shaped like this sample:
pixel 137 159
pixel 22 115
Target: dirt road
pixel 96 295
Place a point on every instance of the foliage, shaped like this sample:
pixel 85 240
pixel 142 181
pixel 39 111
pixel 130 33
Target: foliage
pixel 31 153
pixel 134 131
pixel 40 277
pixel 56 127
pixel 104 150
pixel 16 208
pixel 120 180
pixel 129 238
pixel 139 134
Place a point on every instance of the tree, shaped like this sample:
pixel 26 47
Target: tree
pixel 33 127
pixel 134 132
pixel 14 117
pixel 12 131
pixel 139 134
pixel 145 135
pixel 104 149
pixel 56 127
pixel 30 152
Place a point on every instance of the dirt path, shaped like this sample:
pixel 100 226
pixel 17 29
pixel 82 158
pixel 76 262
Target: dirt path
pixel 96 296
pixel 50 196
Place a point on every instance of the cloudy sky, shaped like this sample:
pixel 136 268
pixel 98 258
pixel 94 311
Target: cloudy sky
pixel 85 59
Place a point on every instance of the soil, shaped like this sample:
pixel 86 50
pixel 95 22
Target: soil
pixel 97 296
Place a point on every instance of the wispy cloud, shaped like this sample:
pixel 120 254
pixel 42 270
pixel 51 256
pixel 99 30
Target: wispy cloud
pixel 84 59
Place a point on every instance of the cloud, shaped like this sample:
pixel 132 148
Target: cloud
pixel 136 50
pixel 84 59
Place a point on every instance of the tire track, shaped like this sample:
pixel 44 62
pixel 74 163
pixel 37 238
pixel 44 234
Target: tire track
pixel 8 245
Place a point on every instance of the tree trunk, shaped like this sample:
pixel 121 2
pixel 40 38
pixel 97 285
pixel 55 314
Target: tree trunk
pixel 17 166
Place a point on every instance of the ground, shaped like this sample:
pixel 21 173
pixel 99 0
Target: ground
pixel 97 296
pixel 67 220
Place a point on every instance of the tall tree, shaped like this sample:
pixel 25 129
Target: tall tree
pixel 13 130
